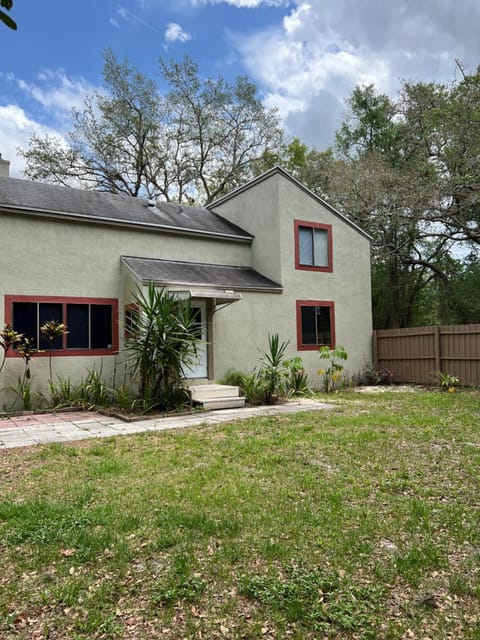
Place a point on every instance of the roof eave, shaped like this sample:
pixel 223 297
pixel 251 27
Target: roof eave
pixel 80 217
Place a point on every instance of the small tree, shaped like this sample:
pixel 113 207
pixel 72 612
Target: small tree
pixel 161 344
pixel 332 375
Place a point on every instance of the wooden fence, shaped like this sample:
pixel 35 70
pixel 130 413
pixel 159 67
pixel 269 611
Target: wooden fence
pixel 418 354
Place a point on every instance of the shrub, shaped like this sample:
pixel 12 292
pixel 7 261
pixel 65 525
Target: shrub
pixel 332 376
pixel 161 344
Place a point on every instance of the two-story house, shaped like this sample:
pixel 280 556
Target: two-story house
pixel 270 257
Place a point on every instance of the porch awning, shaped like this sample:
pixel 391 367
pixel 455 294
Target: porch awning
pixel 199 280
pixel 220 297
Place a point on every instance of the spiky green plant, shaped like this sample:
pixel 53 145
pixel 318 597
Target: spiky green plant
pixel 273 370
pixel 162 345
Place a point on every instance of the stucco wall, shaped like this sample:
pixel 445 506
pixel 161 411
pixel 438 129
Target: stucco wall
pixel 248 322
pixel 52 258
pixel 41 257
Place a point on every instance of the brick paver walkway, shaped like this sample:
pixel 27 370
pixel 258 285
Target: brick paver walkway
pixel 23 431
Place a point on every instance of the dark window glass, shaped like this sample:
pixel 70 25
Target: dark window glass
pixel 309 335
pixel 77 326
pixel 100 326
pixel 324 334
pixel 316 328
pixel 25 320
pixel 47 312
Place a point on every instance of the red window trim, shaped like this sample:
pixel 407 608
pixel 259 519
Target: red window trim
pixel 10 299
pixel 314 303
pixel 313 225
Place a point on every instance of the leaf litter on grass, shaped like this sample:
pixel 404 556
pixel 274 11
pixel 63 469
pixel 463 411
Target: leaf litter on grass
pixel 211 534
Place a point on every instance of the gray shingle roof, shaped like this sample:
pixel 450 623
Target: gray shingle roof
pixel 172 272
pixel 40 198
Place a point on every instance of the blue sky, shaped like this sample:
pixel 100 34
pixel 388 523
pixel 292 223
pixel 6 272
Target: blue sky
pixel 305 56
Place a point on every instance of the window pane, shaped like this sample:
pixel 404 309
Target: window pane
pixel 101 326
pixel 25 320
pixel 77 325
pixel 316 327
pixel 320 239
pixel 197 322
pixel 50 311
pixel 324 334
pixel 309 334
pixel 305 245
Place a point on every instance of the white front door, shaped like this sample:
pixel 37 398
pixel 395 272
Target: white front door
pixel 199 367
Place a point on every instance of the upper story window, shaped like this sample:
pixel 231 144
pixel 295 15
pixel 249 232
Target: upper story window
pixel 313 246
pixel 92 323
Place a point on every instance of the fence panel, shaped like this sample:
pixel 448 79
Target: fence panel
pixel 418 354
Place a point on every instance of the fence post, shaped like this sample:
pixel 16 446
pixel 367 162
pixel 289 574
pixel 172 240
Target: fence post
pixel 375 349
pixel 436 343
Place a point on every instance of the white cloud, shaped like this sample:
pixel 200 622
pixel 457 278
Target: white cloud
pixel 124 15
pixel 16 127
pixel 55 90
pixel 174 33
pixel 310 63
pixel 49 98
pixel 243 4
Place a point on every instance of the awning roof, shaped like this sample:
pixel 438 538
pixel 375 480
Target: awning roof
pixel 220 297
pixel 206 280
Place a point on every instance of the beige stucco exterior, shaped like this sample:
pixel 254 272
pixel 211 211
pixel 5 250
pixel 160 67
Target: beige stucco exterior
pixel 49 256
pixel 268 210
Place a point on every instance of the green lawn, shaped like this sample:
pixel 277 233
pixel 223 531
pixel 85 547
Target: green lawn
pixel 360 522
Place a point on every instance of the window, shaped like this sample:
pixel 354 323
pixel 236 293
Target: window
pixel 313 246
pixel 91 323
pixel 315 324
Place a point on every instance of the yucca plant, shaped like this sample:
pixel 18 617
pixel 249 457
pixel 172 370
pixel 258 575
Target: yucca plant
pixel 273 370
pixel 161 344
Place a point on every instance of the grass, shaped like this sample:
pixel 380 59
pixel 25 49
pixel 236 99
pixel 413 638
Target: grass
pixel 361 522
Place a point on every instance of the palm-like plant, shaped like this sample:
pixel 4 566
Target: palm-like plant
pixel 274 370
pixel 162 342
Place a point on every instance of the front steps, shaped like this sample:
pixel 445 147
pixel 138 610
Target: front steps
pixel 216 396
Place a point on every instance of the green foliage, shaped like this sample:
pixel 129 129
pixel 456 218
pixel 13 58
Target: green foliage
pixel 332 375
pixel 448 382
pixel 308 596
pixel 371 124
pixel 276 378
pixel 273 372
pixel 9 338
pixel 89 392
pixel 194 142
pixel 180 583
pixel 23 393
pixel 297 381
pixel 162 346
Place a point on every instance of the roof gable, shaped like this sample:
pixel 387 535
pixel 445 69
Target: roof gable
pixel 279 171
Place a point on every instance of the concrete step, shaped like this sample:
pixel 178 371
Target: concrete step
pixel 234 402
pixel 204 392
